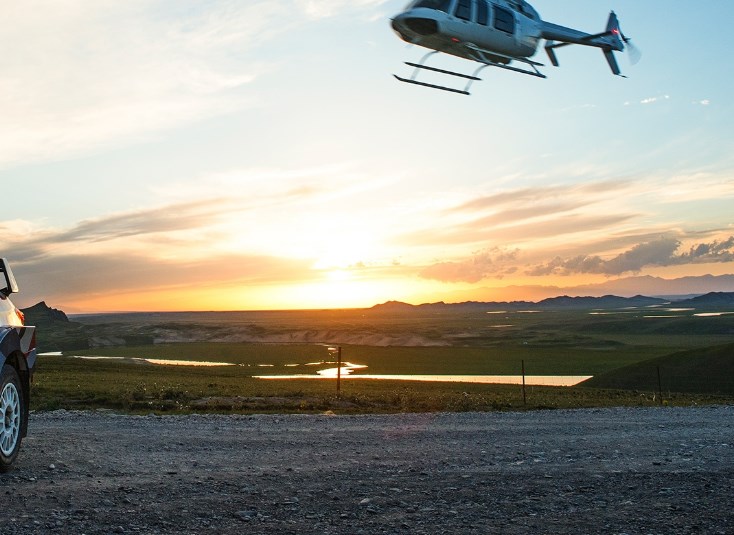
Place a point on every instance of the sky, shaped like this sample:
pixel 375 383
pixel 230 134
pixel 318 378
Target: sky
pixel 259 154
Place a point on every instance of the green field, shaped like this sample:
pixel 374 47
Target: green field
pixel 615 348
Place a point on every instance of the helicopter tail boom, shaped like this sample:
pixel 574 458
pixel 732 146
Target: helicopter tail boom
pixel 609 41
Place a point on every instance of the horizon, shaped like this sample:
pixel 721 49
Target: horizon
pixel 219 156
pixel 672 299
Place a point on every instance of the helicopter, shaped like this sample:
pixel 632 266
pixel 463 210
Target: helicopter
pixel 495 33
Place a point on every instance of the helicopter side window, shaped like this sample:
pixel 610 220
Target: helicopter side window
pixel 463 10
pixel 482 12
pixel 504 20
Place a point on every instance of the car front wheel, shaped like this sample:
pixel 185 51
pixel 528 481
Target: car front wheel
pixel 11 416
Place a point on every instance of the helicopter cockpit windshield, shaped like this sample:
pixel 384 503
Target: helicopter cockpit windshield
pixel 440 5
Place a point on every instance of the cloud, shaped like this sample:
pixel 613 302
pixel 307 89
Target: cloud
pixel 652 100
pixel 86 75
pixel 277 228
pixel 492 262
pixel 525 214
pixel 72 278
pixel 328 8
pixel 193 215
pixel 580 193
pixel 550 227
pixel 716 251
pixel 661 252
pixel 125 231
pixel 157 249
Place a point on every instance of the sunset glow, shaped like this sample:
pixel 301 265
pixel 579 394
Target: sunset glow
pixel 229 156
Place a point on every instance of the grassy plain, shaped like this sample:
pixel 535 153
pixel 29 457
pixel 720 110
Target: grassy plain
pixel 420 342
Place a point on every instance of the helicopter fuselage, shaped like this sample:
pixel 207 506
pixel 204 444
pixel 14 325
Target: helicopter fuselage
pixel 509 29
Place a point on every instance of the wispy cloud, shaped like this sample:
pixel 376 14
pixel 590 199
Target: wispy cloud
pixel 490 263
pixel 328 8
pixel 273 227
pixel 652 100
pixel 649 100
pixel 525 214
pixel 85 75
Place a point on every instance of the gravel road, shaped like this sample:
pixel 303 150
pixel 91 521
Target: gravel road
pixel 666 470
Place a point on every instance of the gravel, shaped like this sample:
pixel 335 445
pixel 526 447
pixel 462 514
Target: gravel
pixel 664 470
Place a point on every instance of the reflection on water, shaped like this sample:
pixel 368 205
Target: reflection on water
pixel 346 369
pixel 92 357
pixel 165 362
pixel 530 380
pixel 675 314
pixel 160 362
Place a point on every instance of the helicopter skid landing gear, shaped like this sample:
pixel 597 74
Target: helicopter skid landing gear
pixel 476 54
pixel 480 55
pixel 420 66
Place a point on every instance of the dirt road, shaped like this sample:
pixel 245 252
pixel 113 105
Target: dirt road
pixel 630 471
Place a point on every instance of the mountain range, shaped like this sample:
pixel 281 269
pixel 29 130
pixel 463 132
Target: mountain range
pixel 715 300
pixel 671 289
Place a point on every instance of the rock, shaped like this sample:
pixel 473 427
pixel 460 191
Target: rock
pixel 246 516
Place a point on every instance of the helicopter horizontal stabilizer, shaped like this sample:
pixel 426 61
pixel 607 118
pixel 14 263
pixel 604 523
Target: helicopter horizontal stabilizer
pixel 612 62
pixel 551 53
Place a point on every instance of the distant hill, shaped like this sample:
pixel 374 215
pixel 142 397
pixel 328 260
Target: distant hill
pixel 708 370
pixel 54 331
pixel 41 314
pixel 710 300
pixel 553 303
pixel 607 301
pixel 626 287
pixel 399 306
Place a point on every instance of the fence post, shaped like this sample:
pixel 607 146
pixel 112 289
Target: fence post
pixel 339 371
pixel 524 397
pixel 660 386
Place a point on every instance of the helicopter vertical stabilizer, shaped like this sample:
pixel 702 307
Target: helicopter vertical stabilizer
pixel 614 32
pixel 612 22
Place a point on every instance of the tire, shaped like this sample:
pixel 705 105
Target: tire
pixel 12 412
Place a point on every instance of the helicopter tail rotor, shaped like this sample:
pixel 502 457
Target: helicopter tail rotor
pixel 614 30
pixel 634 53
